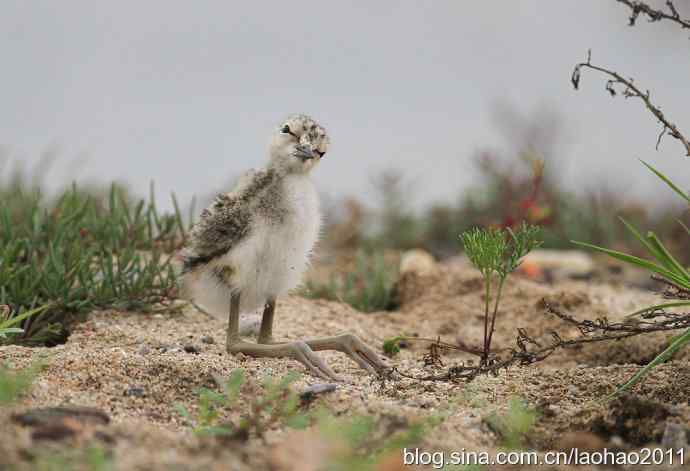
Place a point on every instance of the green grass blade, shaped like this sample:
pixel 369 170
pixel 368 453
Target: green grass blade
pixel 17 319
pixel 651 248
pixel 667 181
pixel 178 216
pixel 684 226
pixel 676 345
pixel 673 264
pixel 640 262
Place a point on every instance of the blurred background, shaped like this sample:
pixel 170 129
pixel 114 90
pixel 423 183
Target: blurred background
pixel 443 115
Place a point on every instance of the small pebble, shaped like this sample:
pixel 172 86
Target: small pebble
pixel 616 441
pixel 135 391
pixel 192 349
pixel 144 350
pixel 675 437
pixel 311 392
pixel 207 339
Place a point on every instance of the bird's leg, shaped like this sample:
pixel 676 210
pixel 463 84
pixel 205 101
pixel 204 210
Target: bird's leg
pixel 349 344
pixel 266 331
pixel 297 350
pixel 233 334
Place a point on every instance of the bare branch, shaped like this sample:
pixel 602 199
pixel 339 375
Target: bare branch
pixel 630 90
pixel 529 351
pixel 638 7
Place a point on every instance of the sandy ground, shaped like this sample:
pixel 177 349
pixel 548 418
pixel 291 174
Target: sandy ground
pixel 135 367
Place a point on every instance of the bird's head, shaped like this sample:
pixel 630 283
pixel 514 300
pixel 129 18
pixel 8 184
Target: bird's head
pixel 298 144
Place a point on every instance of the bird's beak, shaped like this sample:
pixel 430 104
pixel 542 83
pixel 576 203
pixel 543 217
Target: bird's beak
pixel 304 152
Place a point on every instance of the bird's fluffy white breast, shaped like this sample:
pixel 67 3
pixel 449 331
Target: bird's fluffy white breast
pixel 273 258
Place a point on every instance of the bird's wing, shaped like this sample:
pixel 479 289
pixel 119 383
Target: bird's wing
pixel 226 222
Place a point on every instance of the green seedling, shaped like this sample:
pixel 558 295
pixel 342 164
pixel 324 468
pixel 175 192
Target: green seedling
pixel 14 383
pixel 496 253
pixel 366 441
pixel 663 265
pixel 391 346
pixel 276 404
pixel 514 425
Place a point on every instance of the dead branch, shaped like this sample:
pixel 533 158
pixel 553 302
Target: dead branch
pixel 653 15
pixel 630 90
pixel 527 350
pixel 672 290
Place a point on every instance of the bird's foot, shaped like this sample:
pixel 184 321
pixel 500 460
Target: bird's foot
pixel 303 351
pixel 352 346
pixel 297 350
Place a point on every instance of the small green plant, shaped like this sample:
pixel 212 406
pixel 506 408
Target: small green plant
pixel 514 425
pixel 92 458
pixel 367 441
pixel 210 404
pixel 664 265
pixel 391 346
pixel 496 253
pixel 13 383
pixel 368 288
pixel 276 403
pixel 7 321
pixel 471 397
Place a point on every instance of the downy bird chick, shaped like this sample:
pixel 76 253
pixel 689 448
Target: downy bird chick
pixel 253 244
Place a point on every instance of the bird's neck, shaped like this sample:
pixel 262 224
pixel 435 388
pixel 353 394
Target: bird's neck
pixel 284 169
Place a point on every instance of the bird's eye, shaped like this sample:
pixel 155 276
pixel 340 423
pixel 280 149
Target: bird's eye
pixel 286 130
pixel 321 154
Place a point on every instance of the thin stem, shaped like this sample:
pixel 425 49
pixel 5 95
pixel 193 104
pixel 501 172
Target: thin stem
pixel 459 347
pixel 487 284
pixel 493 317
pixel 631 90
pixel 638 7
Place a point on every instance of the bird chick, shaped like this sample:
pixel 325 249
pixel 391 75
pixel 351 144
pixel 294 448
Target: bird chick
pixel 253 244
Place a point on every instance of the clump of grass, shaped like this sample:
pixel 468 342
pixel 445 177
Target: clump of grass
pixel 514 425
pixel 667 268
pixel 92 458
pixel 368 288
pixel 274 403
pixel 496 253
pixel 362 440
pixel 79 252
pixel 7 321
pixel 366 441
pixel 14 383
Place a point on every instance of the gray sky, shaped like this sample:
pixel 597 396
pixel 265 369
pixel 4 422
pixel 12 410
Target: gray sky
pixel 186 93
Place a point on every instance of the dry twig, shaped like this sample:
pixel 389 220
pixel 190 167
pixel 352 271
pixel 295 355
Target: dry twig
pixel 528 350
pixel 638 7
pixel 630 90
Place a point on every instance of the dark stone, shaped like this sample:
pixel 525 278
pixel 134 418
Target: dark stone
pixel 192 349
pixel 49 415
pixel 311 392
pixel 58 430
pixel 135 391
